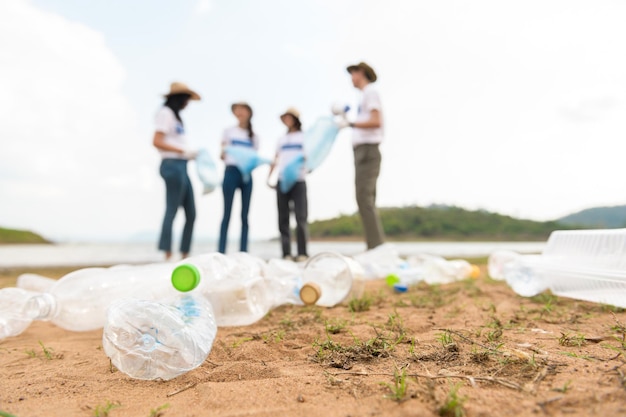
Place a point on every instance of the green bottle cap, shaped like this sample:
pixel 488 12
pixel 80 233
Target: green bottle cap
pixel 392 279
pixel 185 277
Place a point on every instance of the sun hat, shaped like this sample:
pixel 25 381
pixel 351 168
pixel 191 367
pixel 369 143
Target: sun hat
pixel 292 111
pixel 241 104
pixel 369 72
pixel 181 88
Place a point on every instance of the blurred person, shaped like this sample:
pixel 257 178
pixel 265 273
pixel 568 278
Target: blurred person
pixel 291 147
pixel 169 139
pixel 241 134
pixel 367 135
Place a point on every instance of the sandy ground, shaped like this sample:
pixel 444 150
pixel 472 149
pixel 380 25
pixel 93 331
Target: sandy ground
pixel 471 348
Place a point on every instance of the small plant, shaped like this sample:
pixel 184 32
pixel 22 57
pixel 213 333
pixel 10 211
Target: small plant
pixel 334 326
pixel 453 405
pixel 104 410
pixel 399 387
pixel 568 340
pixel 357 305
pixel 493 335
pixel 445 338
pixel 46 350
pixel 275 336
pixel 564 388
pixel 287 323
pixel 5 414
pixel 159 411
pixel 31 353
pixel 241 341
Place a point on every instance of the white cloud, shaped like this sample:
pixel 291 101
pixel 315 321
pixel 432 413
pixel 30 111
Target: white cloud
pixel 71 154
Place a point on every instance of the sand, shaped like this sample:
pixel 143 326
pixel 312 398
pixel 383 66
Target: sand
pixel 473 346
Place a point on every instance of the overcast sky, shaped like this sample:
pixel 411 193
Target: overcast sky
pixel 516 107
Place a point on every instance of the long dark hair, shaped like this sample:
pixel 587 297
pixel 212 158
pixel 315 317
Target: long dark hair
pixel 297 124
pixel 177 102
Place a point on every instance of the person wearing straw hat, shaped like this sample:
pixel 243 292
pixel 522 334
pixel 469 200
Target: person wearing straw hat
pixel 169 139
pixel 290 149
pixel 241 134
pixel 367 135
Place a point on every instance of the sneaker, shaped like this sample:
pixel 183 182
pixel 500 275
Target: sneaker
pixel 301 258
pixel 287 257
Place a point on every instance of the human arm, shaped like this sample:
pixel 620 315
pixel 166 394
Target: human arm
pixel 272 167
pixel 374 121
pixel 159 142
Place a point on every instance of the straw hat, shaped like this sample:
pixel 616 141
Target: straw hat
pixel 369 72
pixel 292 111
pixel 241 104
pixel 181 88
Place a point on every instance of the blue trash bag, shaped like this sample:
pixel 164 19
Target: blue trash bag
pixel 318 141
pixel 291 173
pixel 207 171
pixel 246 160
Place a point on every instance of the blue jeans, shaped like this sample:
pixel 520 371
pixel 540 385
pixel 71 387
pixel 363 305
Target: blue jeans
pixel 178 192
pixel 233 180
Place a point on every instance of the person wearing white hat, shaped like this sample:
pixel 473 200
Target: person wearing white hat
pixel 238 135
pixel 169 139
pixel 367 135
pixel 291 147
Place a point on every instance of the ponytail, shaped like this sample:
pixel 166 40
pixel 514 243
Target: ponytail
pixel 250 131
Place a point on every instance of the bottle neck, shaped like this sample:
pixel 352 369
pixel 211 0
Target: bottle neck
pixel 41 307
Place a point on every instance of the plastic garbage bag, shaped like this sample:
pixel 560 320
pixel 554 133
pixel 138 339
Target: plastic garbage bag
pixel 246 160
pixel 207 171
pixel 291 173
pixel 319 140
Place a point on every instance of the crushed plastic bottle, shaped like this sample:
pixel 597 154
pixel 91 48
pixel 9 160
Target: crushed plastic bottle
pixel 284 280
pixel 159 340
pixel 582 264
pixel 237 291
pixel 432 270
pixel 381 261
pixel 79 300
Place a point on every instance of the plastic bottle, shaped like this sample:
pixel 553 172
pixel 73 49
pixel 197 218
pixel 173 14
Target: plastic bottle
pixel 239 295
pixel 79 300
pixel 438 270
pixel 582 264
pixel 381 261
pixel 284 280
pixel 159 340
pixel 34 282
pixel 329 279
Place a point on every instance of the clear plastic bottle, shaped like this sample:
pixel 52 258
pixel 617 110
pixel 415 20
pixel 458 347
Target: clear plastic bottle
pixel 34 282
pixel 381 261
pixel 284 280
pixel 159 340
pixel 78 301
pixel 438 270
pixel 329 279
pixel 236 290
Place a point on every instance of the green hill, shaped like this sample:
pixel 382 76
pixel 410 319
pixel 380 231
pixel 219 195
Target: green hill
pixel 598 217
pixel 439 223
pixel 11 236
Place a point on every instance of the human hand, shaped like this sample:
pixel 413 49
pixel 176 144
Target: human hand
pixel 269 184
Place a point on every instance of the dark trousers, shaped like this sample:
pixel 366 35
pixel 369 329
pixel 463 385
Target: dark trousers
pixel 297 196
pixel 178 192
pixel 367 160
pixel 233 180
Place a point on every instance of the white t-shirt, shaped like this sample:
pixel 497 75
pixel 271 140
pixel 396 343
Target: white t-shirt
pixel 290 147
pixel 236 136
pixel 370 100
pixel 167 123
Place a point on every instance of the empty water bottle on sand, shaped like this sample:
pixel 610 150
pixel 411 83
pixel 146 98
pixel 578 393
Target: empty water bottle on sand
pixel 79 300
pixel 159 340
pixel 238 294
pixel 432 270
pixel 34 282
pixel 381 261
pixel 329 279
pixel 582 264
pixel 284 280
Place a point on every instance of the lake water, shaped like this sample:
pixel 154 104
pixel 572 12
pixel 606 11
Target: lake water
pixel 84 254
